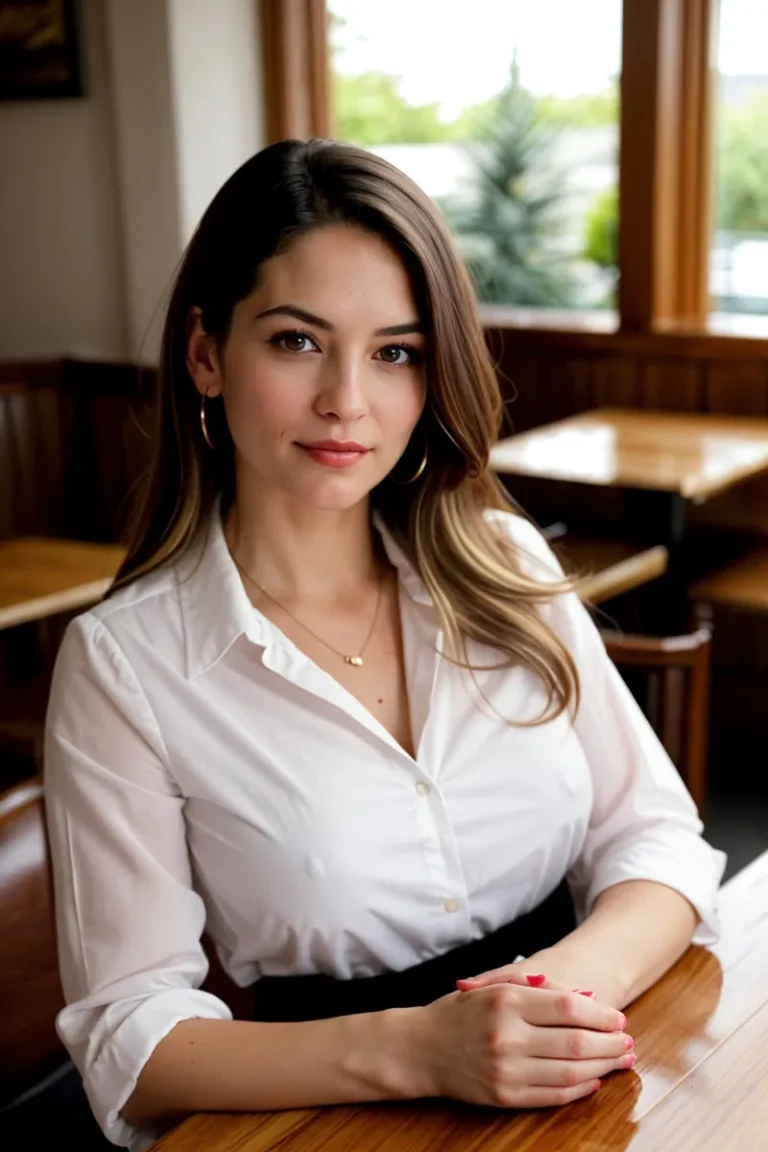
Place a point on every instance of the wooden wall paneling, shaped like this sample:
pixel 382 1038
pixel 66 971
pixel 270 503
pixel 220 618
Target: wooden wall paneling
pixel 521 383
pixel 567 386
pixel 671 384
pixel 110 445
pixel 30 444
pixel 616 382
pixel 121 449
pixel 737 389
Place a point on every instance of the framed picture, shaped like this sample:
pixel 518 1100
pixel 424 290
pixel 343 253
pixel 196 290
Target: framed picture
pixel 39 57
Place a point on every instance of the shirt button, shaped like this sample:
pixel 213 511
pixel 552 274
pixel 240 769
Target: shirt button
pixel 451 904
pixel 422 788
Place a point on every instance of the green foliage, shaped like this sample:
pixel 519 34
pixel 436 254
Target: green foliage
pixel 601 230
pixel 370 110
pixel 742 162
pixel 505 232
pixel 594 111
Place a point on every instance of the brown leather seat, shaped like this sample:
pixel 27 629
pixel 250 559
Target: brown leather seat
pixel 30 992
pixel 40 1090
pixel 42 1102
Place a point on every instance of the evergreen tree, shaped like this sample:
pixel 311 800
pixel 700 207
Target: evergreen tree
pixel 505 230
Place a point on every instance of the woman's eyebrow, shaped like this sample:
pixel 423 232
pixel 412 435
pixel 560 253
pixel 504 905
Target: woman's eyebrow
pixel 401 329
pixel 318 322
pixel 298 314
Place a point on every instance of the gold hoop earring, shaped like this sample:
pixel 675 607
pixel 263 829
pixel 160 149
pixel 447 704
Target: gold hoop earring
pixel 204 423
pixel 416 474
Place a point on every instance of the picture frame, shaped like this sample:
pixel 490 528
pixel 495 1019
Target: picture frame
pixel 39 50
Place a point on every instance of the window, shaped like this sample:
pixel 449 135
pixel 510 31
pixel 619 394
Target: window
pixel 513 132
pixel 739 253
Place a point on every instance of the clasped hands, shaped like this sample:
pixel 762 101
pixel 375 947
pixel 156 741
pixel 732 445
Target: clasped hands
pixel 513 1037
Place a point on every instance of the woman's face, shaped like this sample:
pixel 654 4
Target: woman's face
pixel 323 372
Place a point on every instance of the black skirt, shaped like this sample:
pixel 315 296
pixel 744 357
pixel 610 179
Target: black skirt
pixel 293 998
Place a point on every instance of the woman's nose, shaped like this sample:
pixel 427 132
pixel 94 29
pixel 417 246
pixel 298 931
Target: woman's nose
pixel 342 391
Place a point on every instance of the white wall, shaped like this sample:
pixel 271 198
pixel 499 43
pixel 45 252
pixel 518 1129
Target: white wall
pixel 217 85
pixel 99 195
pixel 144 139
pixel 61 275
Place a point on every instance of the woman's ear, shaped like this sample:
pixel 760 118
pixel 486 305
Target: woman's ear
pixel 202 356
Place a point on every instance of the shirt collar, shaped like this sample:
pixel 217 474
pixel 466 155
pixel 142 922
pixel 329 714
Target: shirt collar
pixel 216 610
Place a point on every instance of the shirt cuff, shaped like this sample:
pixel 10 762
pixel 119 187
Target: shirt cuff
pixel 690 866
pixel 111 1079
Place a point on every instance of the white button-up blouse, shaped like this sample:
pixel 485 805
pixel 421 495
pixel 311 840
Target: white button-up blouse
pixel 202 772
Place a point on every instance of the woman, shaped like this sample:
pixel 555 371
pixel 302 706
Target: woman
pixel 342 712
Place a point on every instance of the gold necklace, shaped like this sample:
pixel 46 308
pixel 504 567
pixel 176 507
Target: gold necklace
pixel 355 661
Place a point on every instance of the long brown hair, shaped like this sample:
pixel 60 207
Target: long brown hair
pixel 472 575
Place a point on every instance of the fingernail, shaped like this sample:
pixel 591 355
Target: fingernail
pixel 629 1061
pixel 536 981
pixel 628 1043
pixel 582 993
pixel 622 1021
pixel 598 1085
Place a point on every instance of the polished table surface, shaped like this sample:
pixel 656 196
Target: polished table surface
pixel 691 454
pixel 40 576
pixel 700 1085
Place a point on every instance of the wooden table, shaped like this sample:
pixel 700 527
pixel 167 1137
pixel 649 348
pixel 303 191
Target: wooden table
pixel 664 459
pixel 40 577
pixel 691 454
pixel 699 1086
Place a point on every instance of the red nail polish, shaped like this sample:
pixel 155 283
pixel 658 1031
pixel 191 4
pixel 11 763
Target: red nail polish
pixel 582 993
pixel 536 981
pixel 629 1043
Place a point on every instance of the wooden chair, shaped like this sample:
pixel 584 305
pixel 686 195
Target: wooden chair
pixel 671 678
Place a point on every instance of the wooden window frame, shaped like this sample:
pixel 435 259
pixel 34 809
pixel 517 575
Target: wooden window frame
pixel 296 69
pixel 666 175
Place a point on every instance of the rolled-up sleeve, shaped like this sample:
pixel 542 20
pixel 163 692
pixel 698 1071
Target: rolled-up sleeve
pixel 129 922
pixel 644 824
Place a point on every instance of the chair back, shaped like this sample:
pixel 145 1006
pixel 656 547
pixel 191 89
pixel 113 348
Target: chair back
pixel 30 992
pixel 670 678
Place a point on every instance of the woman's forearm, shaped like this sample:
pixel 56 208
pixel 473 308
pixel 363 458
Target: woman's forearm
pixel 238 1066
pixel 635 932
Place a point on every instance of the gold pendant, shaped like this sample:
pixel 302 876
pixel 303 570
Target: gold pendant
pixel 356 660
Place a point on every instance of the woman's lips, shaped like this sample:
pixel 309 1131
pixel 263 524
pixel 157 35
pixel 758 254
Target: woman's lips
pixel 334 458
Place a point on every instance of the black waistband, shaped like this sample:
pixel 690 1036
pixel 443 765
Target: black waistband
pixel 285 998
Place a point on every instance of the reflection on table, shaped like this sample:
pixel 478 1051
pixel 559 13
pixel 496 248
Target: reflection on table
pixel 691 454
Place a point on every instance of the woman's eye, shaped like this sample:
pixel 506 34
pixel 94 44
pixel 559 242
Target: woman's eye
pixel 293 341
pixel 400 354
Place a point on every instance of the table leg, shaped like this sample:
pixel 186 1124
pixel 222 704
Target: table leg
pixel 661 518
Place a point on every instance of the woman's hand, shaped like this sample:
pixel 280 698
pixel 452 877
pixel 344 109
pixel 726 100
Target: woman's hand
pixel 519 1047
pixel 568 965
pixel 516 974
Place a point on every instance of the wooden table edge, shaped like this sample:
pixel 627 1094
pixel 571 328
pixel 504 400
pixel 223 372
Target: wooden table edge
pixel 64 601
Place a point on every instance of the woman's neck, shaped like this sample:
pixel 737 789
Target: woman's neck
pixel 301 554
